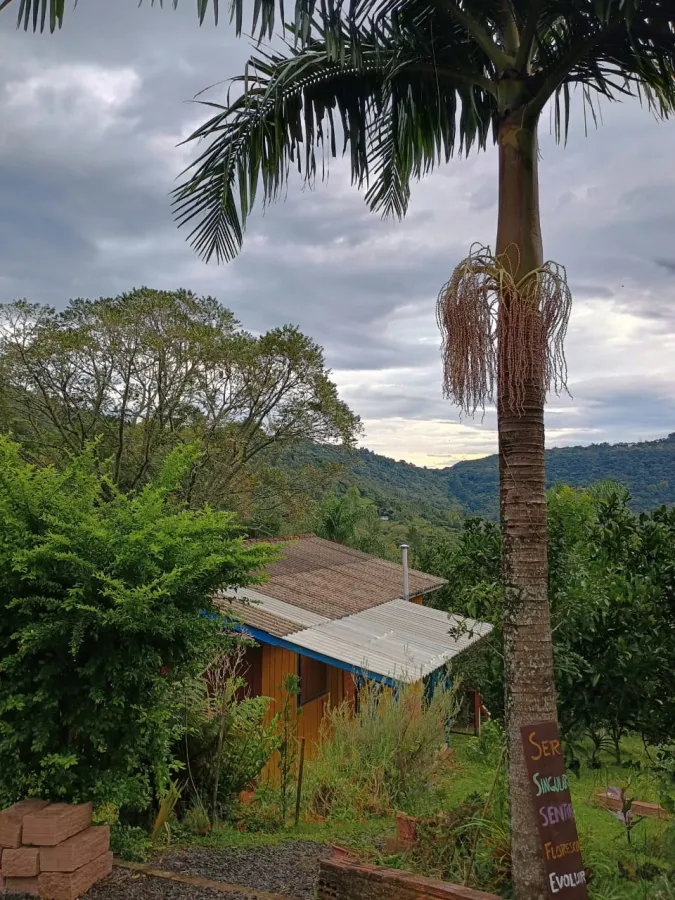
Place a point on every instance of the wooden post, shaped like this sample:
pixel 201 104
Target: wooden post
pixel 476 712
pixel 301 768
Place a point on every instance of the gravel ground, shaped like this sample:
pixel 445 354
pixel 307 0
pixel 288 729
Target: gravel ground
pixel 125 885
pixel 291 868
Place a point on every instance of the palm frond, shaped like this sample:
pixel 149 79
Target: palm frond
pixel 389 98
pixel 404 85
pixel 35 14
pixel 607 49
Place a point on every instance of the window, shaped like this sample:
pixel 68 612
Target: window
pixel 313 679
pixel 252 673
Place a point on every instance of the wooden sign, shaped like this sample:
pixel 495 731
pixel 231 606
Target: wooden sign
pixel 565 874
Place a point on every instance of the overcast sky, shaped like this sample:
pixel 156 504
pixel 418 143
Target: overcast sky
pixel 89 123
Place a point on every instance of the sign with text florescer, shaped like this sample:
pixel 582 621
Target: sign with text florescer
pixel 545 763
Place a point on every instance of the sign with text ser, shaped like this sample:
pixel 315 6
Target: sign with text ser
pixel 553 809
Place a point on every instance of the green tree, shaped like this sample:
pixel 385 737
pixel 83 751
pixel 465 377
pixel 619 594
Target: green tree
pixel 408 84
pixel 100 601
pixel 147 370
pixel 636 555
pixel 612 593
pixel 352 520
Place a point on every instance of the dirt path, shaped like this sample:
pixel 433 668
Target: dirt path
pixel 125 884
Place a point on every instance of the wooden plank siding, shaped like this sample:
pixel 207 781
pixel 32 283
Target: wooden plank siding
pixel 277 663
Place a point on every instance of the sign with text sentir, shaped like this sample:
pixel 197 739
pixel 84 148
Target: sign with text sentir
pixel 553 808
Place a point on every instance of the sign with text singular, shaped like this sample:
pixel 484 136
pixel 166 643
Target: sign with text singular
pixel 553 809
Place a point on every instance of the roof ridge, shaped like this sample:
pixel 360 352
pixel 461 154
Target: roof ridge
pixel 279 540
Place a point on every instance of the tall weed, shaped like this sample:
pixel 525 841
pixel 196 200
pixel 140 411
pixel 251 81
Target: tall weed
pixel 385 756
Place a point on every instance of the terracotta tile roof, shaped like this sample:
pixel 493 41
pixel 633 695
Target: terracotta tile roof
pixel 333 581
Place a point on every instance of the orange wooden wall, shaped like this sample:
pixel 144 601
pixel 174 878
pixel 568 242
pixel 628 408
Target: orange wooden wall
pixel 277 663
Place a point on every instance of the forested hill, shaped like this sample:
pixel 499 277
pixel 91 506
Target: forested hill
pixel 401 489
pixel 647 469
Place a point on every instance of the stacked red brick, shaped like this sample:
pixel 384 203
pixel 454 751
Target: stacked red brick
pixel 52 850
pixel 342 878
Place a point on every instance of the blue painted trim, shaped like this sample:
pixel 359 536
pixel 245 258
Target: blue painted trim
pixel 264 638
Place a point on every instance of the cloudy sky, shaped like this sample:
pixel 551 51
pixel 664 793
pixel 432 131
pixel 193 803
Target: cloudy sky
pixel 89 123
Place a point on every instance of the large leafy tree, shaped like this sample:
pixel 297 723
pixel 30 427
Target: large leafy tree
pixel 405 85
pixel 100 625
pixel 148 370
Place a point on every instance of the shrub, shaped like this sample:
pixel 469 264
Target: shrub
pixel 385 756
pixel 489 745
pixel 227 739
pixel 100 600
pixel 130 842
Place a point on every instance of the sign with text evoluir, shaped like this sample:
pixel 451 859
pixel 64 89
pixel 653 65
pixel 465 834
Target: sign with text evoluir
pixel 553 808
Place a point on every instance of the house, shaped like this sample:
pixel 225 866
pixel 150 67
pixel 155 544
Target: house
pixel 328 612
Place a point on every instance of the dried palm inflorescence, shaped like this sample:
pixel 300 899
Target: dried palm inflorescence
pixel 503 333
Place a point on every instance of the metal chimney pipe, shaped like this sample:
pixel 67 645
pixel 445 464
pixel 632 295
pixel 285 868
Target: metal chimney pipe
pixel 404 553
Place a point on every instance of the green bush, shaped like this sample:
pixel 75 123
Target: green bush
pixel 228 741
pixel 100 600
pixel 130 842
pixel 385 756
pixel 612 592
pixel 489 745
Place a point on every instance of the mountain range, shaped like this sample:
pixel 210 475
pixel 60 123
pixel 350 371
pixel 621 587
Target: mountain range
pixel 402 490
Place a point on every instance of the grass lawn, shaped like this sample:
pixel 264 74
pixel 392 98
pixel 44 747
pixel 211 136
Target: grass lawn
pixel 603 837
pixel 606 850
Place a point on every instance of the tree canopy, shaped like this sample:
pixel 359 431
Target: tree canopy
pixel 612 589
pixel 148 370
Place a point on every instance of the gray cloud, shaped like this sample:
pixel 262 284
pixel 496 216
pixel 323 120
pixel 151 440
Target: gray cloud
pixel 90 122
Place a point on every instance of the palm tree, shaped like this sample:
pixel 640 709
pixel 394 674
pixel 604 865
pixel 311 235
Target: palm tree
pixel 42 14
pixel 352 520
pixel 408 84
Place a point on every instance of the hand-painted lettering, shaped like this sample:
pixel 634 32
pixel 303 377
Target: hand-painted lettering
pixel 559 851
pixel 545 748
pixel 549 784
pixel 560 882
pixel 551 815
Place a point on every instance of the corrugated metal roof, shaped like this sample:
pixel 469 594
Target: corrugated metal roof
pixel 266 613
pixel 399 640
pixel 333 581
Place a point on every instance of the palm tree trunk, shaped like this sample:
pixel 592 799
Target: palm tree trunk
pixel 530 688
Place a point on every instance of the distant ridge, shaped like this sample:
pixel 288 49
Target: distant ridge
pixel 441 496
pixel 646 468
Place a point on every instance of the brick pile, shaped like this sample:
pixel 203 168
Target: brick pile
pixel 51 850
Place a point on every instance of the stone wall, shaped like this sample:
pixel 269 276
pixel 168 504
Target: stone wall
pixel 345 879
pixel 52 850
